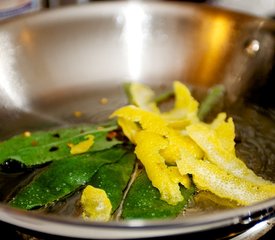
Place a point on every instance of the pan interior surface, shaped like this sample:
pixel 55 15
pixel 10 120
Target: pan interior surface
pixel 54 64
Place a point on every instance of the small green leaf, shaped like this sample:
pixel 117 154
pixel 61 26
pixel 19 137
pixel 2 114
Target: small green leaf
pixel 143 201
pixel 164 96
pixel 44 146
pixel 213 97
pixel 63 177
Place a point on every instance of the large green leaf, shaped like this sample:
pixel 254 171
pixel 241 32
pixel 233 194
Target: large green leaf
pixel 113 178
pixel 143 201
pixel 62 177
pixel 44 146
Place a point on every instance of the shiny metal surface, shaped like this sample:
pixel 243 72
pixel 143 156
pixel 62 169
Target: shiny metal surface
pixel 257 231
pixel 53 63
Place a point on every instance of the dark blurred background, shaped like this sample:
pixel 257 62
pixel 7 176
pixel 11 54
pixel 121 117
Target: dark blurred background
pixel 256 7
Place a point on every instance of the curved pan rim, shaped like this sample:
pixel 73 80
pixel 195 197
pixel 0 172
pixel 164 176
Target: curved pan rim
pixel 63 226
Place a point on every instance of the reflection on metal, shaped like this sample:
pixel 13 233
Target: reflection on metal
pixel 26 40
pixel 135 24
pixel 216 34
pixel 25 37
pixel 252 47
pixel 11 89
pixel 257 231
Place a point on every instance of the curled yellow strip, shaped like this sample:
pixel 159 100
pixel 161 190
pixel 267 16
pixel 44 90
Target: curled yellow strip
pixel 147 150
pixel 185 109
pixel 148 120
pixel 218 145
pixel 143 97
pixel 178 142
pixel 177 177
pixel 208 176
pixel 224 131
pixel 129 128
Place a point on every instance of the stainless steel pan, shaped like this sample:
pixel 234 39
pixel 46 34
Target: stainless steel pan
pixel 60 61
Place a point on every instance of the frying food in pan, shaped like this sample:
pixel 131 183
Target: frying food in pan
pixel 145 162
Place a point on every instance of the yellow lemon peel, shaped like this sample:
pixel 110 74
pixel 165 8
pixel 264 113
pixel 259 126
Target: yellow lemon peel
pixel 208 176
pixel 129 128
pixel 83 146
pixel 96 204
pixel 148 152
pixel 143 96
pixel 224 131
pixel 147 120
pixel 177 177
pixel 176 143
pixel 220 152
pixel 185 108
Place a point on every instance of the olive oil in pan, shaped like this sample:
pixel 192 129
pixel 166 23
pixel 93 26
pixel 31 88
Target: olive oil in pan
pixel 255 138
pixel 14 176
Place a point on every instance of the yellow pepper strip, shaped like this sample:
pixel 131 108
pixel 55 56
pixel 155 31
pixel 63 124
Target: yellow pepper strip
pixel 185 109
pixel 147 150
pixel 83 146
pixel 148 120
pixel 96 204
pixel 215 148
pixel 143 97
pixel 208 176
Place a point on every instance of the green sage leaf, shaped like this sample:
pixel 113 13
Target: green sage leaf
pixel 113 178
pixel 44 146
